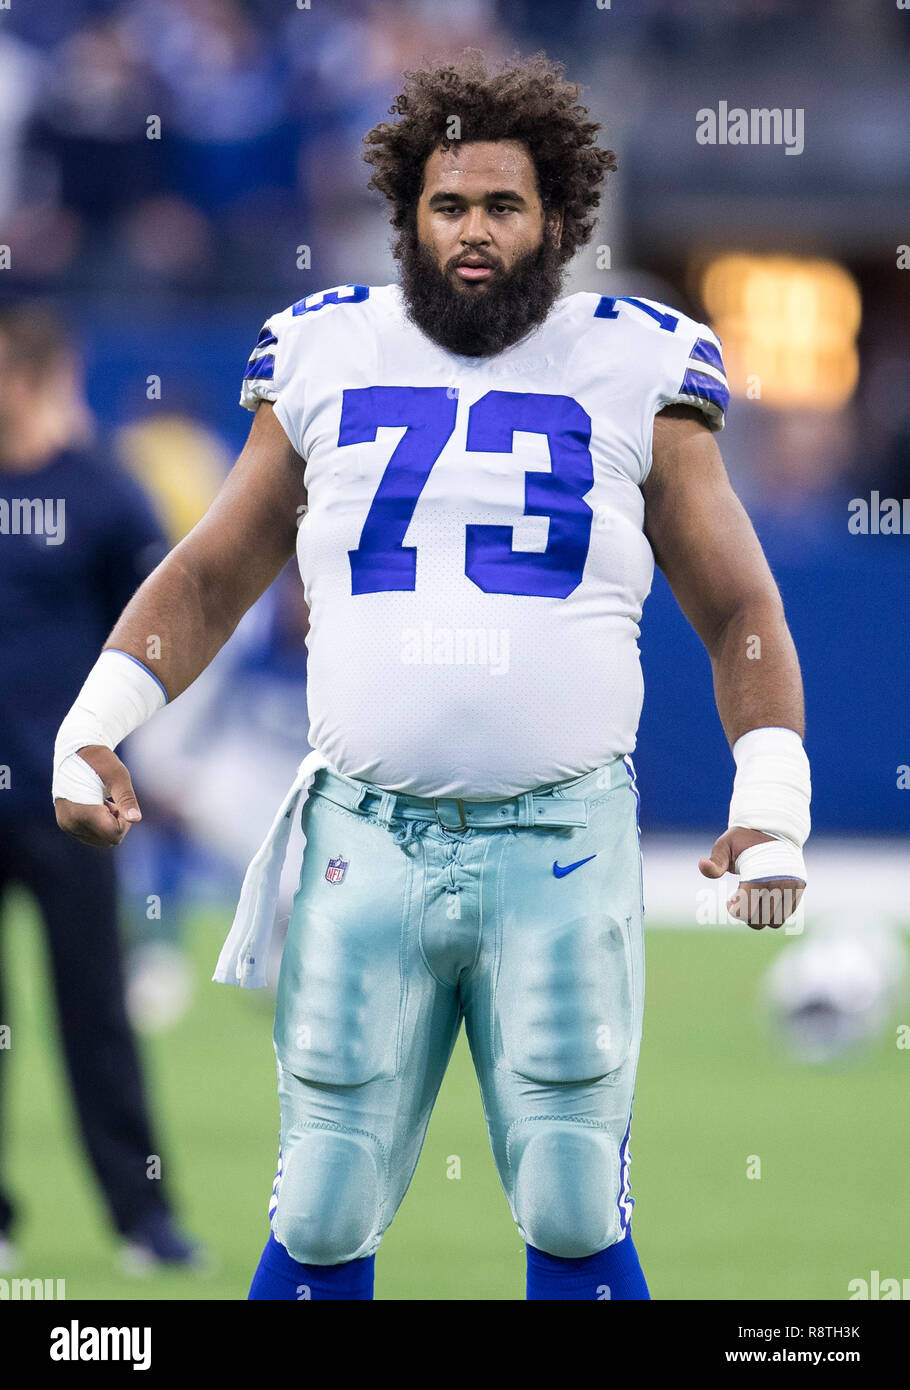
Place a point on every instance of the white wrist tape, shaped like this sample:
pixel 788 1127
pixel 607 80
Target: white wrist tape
pixel 771 793
pixel 119 694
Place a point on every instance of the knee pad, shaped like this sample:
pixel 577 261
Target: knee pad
pixel 330 1198
pixel 565 1187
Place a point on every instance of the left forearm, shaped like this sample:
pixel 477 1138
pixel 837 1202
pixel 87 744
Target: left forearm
pixel 706 546
pixel 757 681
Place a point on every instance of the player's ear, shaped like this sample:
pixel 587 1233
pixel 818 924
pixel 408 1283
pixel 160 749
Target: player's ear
pixel 554 222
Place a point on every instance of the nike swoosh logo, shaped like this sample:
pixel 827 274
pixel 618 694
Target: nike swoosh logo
pixel 561 873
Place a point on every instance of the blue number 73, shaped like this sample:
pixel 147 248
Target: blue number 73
pixel 382 562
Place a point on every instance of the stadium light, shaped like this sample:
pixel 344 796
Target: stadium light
pixel 788 327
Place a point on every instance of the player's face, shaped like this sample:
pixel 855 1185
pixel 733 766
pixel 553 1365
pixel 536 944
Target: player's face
pixel 480 260
pixel 480 212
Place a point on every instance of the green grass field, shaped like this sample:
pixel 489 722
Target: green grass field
pixel 831 1205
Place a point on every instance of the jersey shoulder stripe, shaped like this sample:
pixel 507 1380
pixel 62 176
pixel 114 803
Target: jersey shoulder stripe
pixel 672 358
pixel 704 383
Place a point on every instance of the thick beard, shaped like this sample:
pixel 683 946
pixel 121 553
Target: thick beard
pixel 483 321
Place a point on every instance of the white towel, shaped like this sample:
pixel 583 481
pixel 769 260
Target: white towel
pixel 244 955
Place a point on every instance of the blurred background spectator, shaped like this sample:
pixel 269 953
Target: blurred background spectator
pixel 78 537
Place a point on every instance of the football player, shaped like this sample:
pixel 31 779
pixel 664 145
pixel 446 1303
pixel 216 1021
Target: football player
pixel 477 474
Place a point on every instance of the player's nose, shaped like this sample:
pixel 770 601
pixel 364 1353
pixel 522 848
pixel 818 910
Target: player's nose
pixel 475 230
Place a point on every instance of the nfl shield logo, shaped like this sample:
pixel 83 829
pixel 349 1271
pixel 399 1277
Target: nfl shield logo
pixel 336 869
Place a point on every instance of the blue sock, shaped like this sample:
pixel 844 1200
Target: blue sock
pixel 281 1277
pixel 613 1273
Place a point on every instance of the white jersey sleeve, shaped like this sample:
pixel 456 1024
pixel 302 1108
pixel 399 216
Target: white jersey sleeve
pixel 288 355
pixel 682 355
pixel 696 376
pixel 273 371
pixel 650 356
pixel 259 380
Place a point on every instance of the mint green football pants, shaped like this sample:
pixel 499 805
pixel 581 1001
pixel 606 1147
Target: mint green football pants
pixel 400 929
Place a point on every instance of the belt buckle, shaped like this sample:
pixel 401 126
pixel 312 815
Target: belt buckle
pixel 459 804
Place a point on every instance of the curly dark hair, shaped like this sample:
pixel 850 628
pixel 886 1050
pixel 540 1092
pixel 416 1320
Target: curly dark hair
pixel 523 99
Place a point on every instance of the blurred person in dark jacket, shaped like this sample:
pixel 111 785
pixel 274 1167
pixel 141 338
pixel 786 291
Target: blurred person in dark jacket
pixel 77 536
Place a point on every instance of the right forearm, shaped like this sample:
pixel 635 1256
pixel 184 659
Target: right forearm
pixel 176 622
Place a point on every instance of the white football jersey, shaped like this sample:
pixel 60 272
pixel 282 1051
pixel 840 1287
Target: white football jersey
pixel 472 552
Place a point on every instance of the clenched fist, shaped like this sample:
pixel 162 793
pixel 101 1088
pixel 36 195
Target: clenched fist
pixel 103 824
